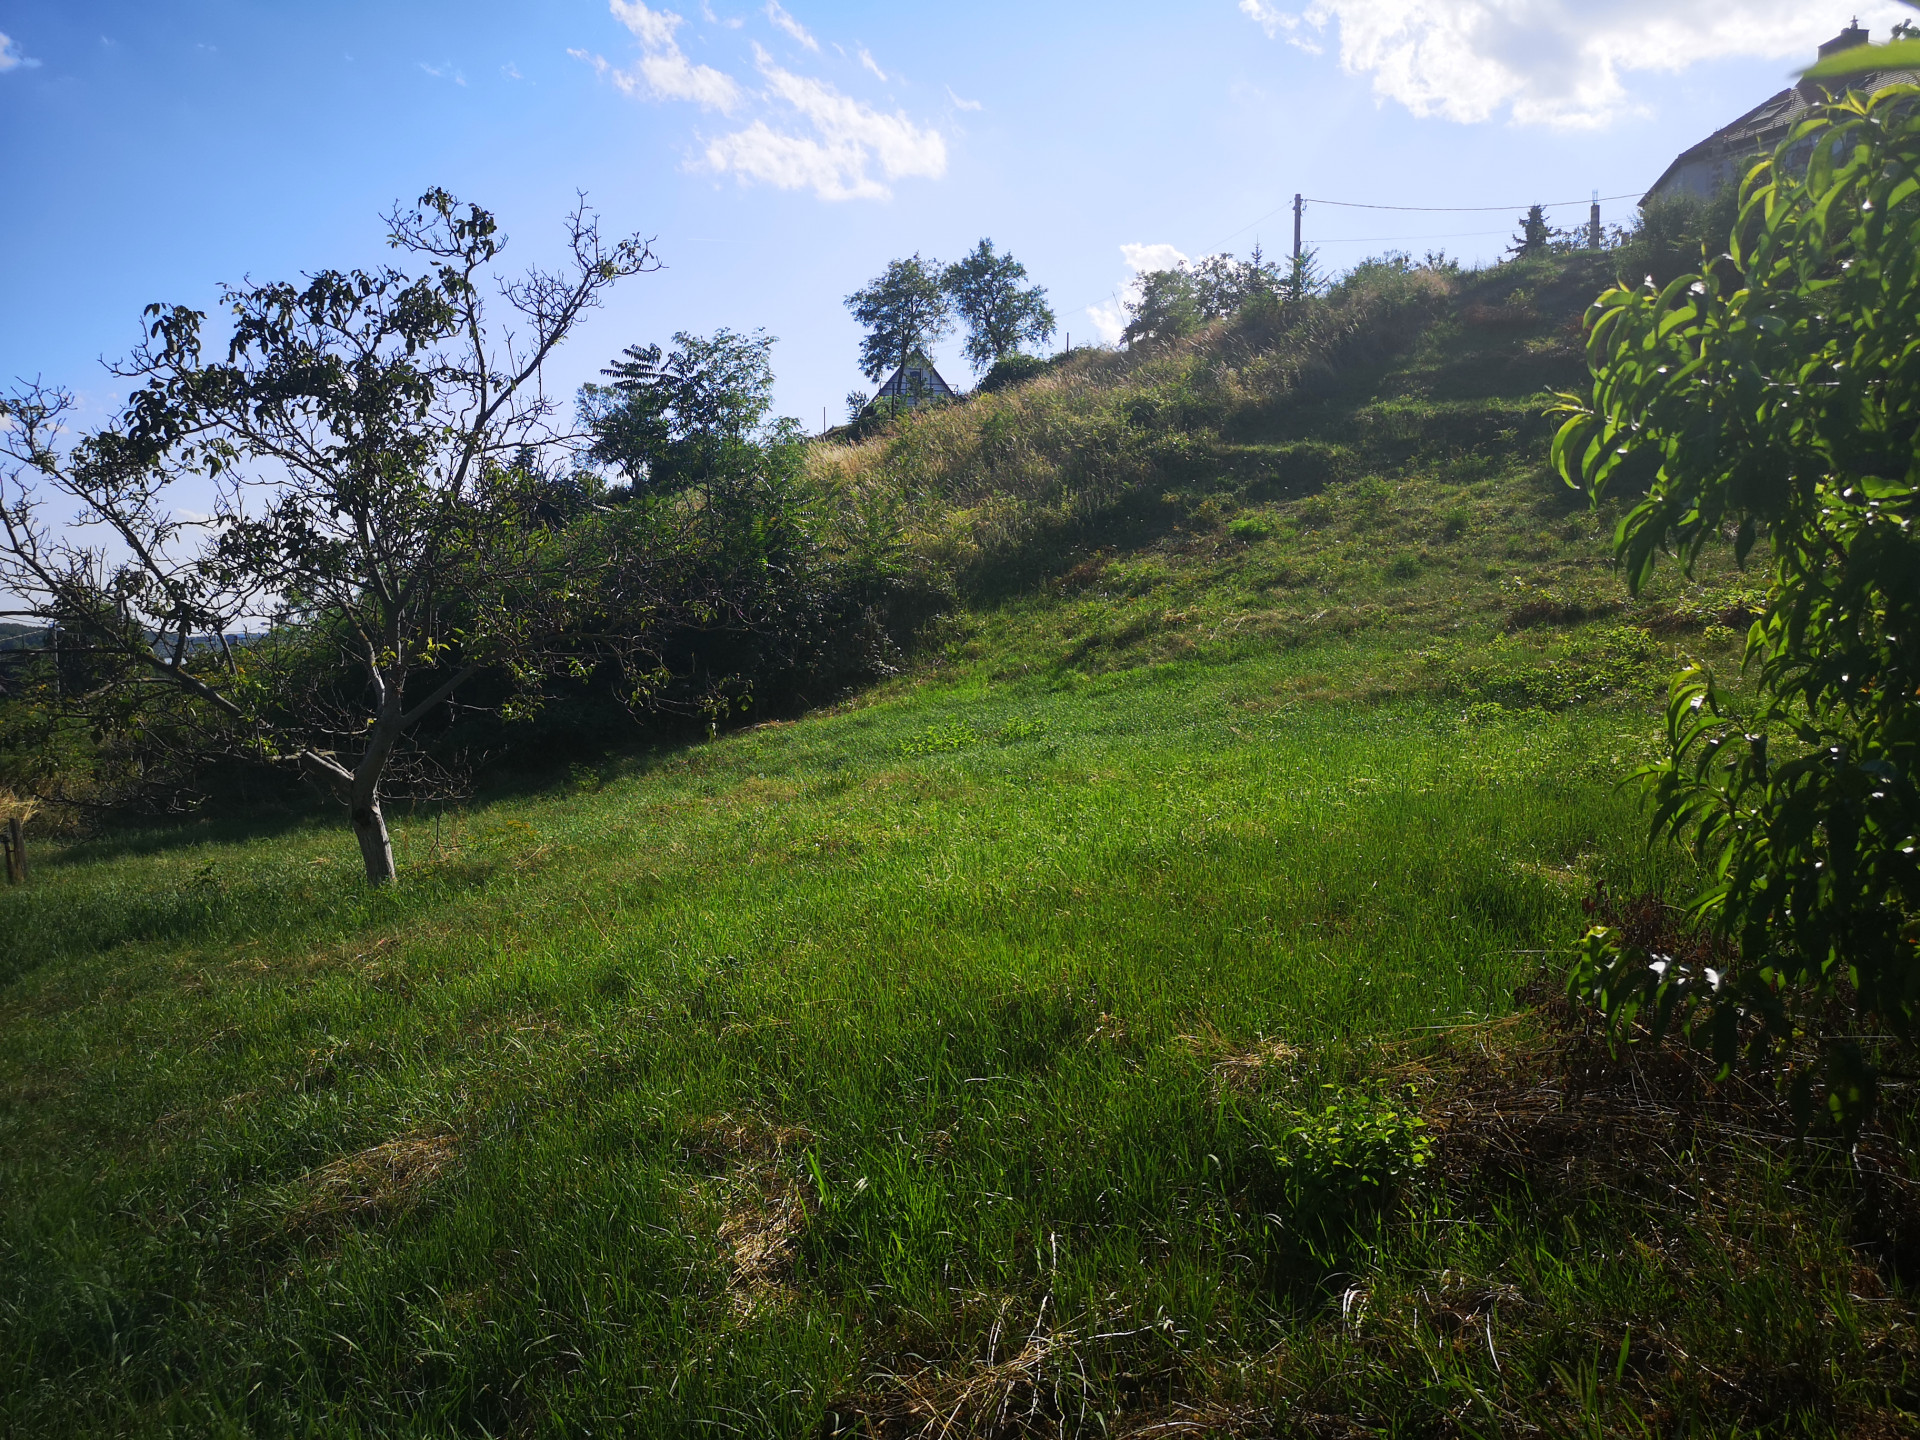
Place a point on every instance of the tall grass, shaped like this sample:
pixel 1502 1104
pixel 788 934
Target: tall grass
pixel 983 484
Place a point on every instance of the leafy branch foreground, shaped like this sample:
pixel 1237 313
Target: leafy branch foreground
pixel 1774 396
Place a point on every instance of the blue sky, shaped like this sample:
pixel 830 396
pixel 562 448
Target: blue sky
pixel 782 156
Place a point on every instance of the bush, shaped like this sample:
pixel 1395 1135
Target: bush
pixel 1341 1163
pixel 1250 527
pixel 1012 370
pixel 1673 236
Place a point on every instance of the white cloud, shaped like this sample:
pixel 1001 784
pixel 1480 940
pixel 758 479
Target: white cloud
pixel 664 72
pixel 815 138
pixel 1561 63
pixel 866 59
pixel 1142 258
pixel 794 162
pixel 672 76
pixel 1275 21
pixel 847 141
pixel 1109 321
pixel 652 28
pixel 1110 318
pixel 777 13
pixel 12 59
pixel 960 104
pixel 446 71
pixel 511 71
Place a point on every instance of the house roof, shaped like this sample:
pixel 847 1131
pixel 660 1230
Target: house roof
pixel 936 383
pixel 1769 122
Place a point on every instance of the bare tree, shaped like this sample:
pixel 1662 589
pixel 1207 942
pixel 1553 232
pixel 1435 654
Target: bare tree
pixel 355 434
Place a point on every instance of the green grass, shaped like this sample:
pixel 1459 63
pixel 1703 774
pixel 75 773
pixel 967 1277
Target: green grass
pixel 1109 1024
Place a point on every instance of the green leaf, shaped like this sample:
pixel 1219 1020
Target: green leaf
pixel 1864 59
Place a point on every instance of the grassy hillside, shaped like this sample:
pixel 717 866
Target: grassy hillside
pixel 1125 1020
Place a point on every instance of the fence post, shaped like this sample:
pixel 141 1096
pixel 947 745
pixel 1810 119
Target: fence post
pixel 16 853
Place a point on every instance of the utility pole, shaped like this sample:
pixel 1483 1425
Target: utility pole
pixel 1299 206
pixel 1593 224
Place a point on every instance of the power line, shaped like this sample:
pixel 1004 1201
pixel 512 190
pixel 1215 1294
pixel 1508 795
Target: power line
pixel 1453 209
pixel 1370 239
pixel 1408 210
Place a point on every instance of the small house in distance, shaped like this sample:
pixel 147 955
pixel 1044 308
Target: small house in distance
pixel 915 381
pixel 1721 158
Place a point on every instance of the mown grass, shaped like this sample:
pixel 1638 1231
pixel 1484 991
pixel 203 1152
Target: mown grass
pixel 1011 1050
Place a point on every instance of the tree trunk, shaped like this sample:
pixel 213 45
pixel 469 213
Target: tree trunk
pixel 370 828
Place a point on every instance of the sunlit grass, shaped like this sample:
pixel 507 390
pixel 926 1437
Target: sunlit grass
pixel 956 1055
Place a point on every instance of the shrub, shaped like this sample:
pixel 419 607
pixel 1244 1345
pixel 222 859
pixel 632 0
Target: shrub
pixel 1250 527
pixel 1012 370
pixel 1342 1162
pixel 1674 234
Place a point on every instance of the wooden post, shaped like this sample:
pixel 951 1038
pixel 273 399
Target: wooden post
pixel 1593 224
pixel 16 853
pixel 1299 207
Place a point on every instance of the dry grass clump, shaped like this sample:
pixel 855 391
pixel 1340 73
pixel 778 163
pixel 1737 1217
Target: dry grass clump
pixel 754 1203
pixel 1256 1068
pixel 1549 1105
pixel 1037 1389
pixel 17 807
pixel 382 1182
pixel 1044 1385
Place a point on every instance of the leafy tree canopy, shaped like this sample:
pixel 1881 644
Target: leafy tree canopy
pixel 1223 283
pixel 680 419
pixel 1000 311
pixel 906 308
pixel 1170 303
pixel 1165 306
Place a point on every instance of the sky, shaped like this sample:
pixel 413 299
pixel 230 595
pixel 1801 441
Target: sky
pixel 780 154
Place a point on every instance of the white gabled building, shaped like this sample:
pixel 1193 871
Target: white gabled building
pixel 915 381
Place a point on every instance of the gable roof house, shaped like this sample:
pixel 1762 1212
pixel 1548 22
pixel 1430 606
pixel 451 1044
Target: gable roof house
pixel 1721 158
pixel 915 381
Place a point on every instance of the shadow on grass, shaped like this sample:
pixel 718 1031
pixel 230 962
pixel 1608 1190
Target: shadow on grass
pixel 125 837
